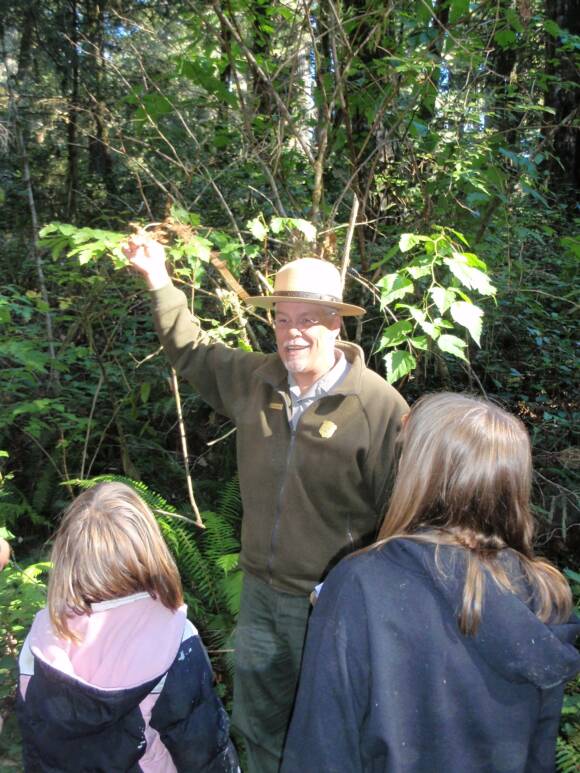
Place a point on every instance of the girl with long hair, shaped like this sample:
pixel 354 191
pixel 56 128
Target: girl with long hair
pixel 113 674
pixel 445 647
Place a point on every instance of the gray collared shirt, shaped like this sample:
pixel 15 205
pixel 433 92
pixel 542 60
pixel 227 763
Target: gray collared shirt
pixel 320 388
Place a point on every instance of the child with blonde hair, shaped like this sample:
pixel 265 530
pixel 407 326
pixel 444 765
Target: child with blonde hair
pixel 114 676
pixel 445 647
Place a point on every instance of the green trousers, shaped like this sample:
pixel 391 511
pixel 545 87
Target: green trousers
pixel 269 641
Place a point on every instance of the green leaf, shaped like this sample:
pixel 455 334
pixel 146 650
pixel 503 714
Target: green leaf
pixel 393 287
pixel 572 245
pixel 228 562
pixel 145 391
pixel 408 241
pixel 232 587
pixel 459 8
pixel 417 270
pixel 84 256
pixel 459 235
pixel 398 365
pixel 419 342
pixel 306 228
pixel 56 245
pixel 470 277
pixel 25 353
pixel 418 129
pixel 395 334
pixel 51 228
pixel 475 198
pixel 513 19
pixel 257 228
pixel 277 224
pixel 153 106
pixel 34 571
pixel 183 215
pixel 431 328
pixel 535 195
pixel 470 316
pixel 552 28
pixel 452 345
pixel 505 38
pixel 471 259
pixel 443 297
pixel 198 247
pixel 5 315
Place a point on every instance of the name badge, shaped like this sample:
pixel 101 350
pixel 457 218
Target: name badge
pixel 327 429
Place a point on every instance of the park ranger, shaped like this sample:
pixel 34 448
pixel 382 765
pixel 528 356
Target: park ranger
pixel 316 434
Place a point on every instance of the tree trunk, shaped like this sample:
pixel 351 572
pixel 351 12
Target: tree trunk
pixel 99 158
pixel 72 119
pixel 563 97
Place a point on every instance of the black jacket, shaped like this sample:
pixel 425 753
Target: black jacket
pixel 135 694
pixel 390 685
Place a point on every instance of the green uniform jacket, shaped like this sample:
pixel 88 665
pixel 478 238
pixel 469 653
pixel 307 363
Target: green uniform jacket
pixel 311 495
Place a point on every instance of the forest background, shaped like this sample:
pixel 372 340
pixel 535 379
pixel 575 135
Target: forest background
pixel 430 148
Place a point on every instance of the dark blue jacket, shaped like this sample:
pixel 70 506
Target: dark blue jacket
pixel 134 695
pixel 390 685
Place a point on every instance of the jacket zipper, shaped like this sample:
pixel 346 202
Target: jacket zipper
pixel 278 511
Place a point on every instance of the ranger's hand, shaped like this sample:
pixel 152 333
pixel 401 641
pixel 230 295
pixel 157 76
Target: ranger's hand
pixel 147 256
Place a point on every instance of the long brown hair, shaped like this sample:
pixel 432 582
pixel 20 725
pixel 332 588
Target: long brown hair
pixel 108 546
pixel 464 479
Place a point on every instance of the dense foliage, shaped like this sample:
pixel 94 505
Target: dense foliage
pixel 429 148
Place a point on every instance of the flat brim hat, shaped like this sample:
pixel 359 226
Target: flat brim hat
pixel 308 280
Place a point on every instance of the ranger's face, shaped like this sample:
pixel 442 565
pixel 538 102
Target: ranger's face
pixel 306 334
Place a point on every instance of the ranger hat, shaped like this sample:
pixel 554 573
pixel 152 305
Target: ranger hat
pixel 308 280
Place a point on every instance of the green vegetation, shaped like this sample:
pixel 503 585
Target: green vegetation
pixel 430 149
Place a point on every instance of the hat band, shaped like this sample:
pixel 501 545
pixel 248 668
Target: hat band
pixel 314 296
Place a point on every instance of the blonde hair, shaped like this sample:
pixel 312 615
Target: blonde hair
pixel 108 546
pixel 464 479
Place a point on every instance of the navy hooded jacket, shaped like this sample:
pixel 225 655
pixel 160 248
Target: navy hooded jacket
pixel 390 685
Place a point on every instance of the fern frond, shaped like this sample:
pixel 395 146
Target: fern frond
pixel 14 505
pixel 196 611
pixel 228 562
pixel 567 757
pixel 196 572
pixel 220 639
pixel 219 537
pixel 154 500
pixel 232 591
pixel 230 503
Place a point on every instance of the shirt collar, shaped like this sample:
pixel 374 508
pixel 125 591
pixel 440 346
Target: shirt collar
pixel 325 383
